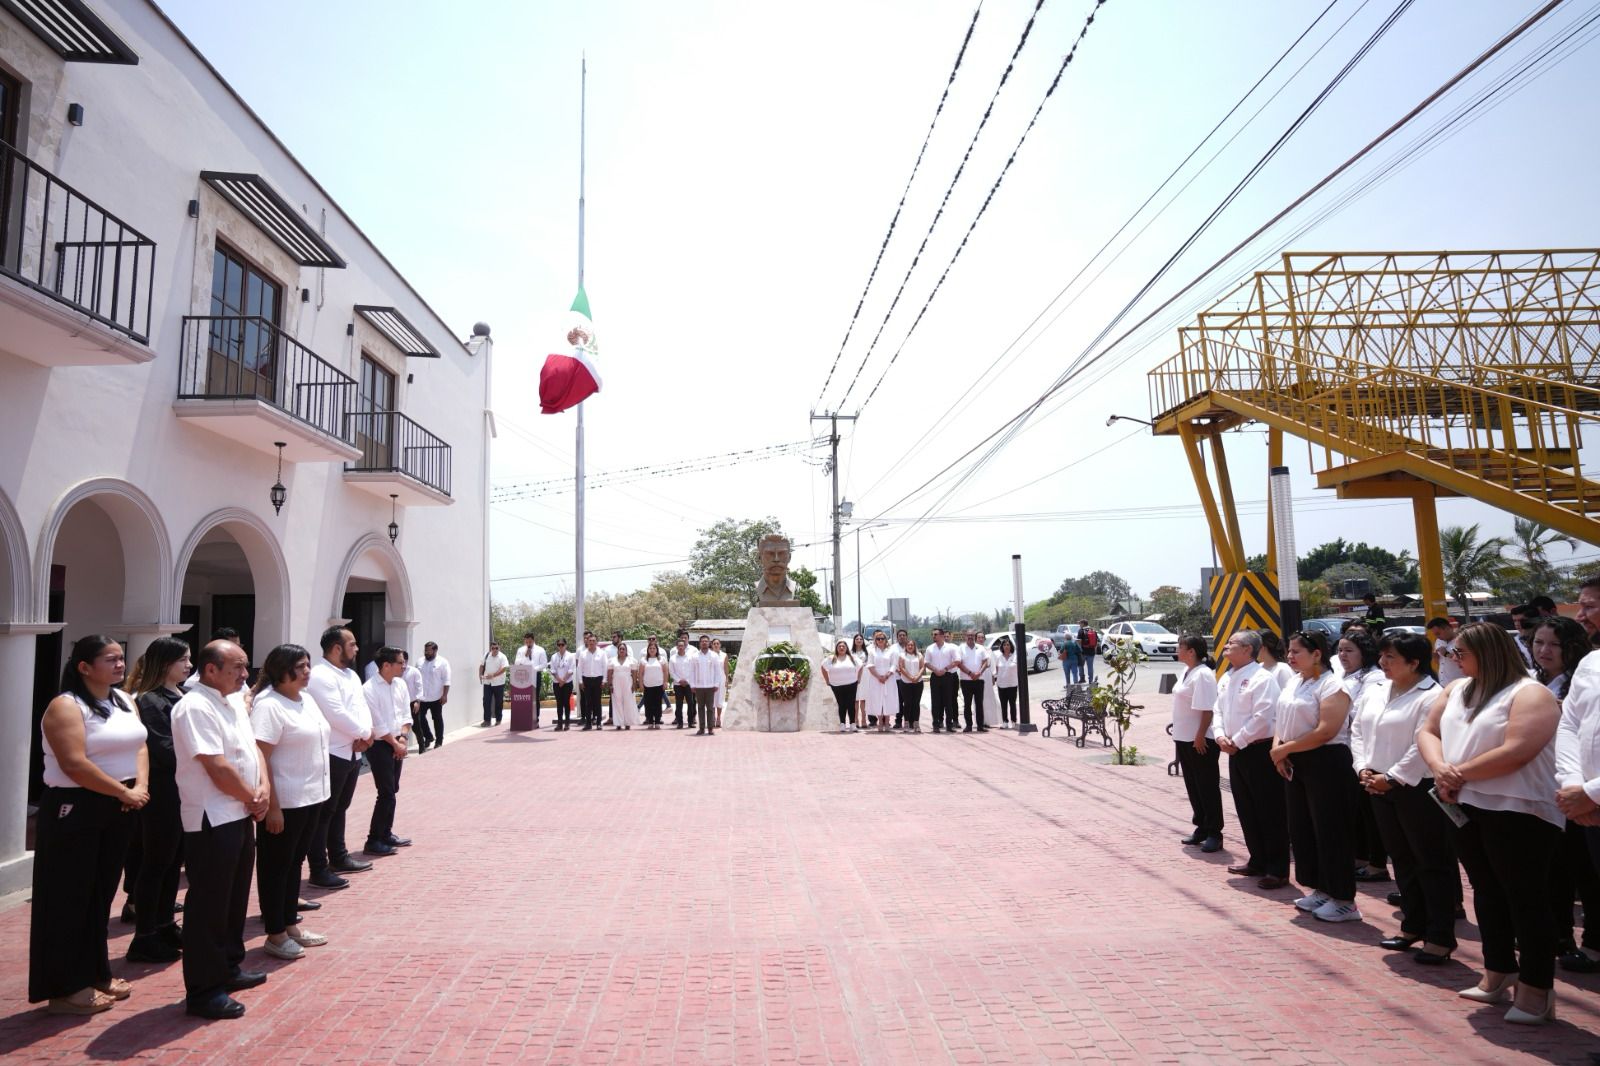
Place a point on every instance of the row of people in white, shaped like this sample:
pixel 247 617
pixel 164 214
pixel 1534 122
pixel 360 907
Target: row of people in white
pixel 883 684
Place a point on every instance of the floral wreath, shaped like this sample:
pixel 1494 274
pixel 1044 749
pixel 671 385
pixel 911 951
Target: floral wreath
pixel 782 671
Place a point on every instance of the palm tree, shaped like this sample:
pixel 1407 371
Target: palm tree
pixel 1532 541
pixel 1469 562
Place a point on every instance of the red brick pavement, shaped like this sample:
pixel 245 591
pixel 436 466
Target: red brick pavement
pixel 657 897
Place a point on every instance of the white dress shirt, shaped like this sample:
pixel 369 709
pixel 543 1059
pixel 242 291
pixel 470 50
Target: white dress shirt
pixel 298 734
pixel 337 691
pixel 562 665
pixel 493 663
pixel 1449 669
pixel 653 673
pixel 534 656
pixel 909 664
pixel 1195 694
pixel 205 722
pixel 1383 729
pixel 1356 683
pixel 1578 739
pixel 389 705
pixel 593 663
pixel 435 677
pixel 705 671
pixel 941 656
pixel 1526 790
pixel 1247 702
pixel 976 659
pixel 1005 670
pixel 413 680
pixel 678 666
pixel 1300 708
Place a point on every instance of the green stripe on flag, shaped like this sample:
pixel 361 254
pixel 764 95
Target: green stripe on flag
pixel 580 304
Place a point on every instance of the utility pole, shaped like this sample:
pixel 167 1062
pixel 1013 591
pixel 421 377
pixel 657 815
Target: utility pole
pixel 833 418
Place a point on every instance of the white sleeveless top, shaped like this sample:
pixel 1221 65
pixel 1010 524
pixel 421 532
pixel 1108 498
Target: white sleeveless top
pixel 655 672
pixel 113 744
pixel 1529 790
pixel 843 673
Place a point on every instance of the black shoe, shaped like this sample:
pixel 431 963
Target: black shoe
pixel 983 729
pixel 1428 958
pixel 1372 873
pixel 967 730
pixel 398 842
pixel 378 848
pixel 1398 942
pixel 1211 845
pixel 328 879
pixel 1192 840
pixel 308 905
pixel 1244 869
pixel 127 916
pixel 1577 962
pixel 243 979
pixel 1272 881
pixel 348 864
pixel 497 721
pixel 1394 899
pixel 177 908
pixel 172 933
pixel 153 948
pixel 422 747
pixel 936 729
pixel 218 1007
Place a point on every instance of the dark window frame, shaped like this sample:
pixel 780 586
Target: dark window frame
pixel 243 357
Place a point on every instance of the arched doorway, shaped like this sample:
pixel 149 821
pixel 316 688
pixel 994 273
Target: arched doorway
pixel 231 573
pixel 373 597
pixel 19 630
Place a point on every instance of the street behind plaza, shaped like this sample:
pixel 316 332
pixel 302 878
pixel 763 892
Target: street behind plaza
pixel 658 897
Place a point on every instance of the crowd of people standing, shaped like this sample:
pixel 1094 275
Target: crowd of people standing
pixel 1471 748
pixel 879 687
pixel 183 769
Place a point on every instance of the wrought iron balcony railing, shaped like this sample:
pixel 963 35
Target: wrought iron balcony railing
pixel 57 241
pixel 391 442
pixel 242 357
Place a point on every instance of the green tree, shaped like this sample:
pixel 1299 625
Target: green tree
pixel 1469 563
pixel 805 590
pixel 724 558
pixel 1531 573
pixel 1336 575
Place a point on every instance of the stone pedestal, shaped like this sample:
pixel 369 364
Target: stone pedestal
pixel 748 707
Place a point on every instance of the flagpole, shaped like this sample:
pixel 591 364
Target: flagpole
pixel 583 101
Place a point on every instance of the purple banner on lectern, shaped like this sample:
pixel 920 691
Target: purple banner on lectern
pixel 523 676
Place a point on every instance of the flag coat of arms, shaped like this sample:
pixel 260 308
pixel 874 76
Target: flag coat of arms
pixel 568 380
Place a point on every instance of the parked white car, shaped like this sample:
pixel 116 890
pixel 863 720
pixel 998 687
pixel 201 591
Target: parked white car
pixel 1040 650
pixel 1152 637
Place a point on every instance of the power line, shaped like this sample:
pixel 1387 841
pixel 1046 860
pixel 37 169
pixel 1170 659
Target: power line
pixel 509 491
pixel 937 111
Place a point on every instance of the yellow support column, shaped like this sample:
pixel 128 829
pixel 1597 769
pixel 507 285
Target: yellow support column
pixel 1230 513
pixel 1202 484
pixel 1430 563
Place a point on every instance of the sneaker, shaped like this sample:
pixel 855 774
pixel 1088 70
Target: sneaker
pixel 1310 904
pixel 289 950
pixel 1334 911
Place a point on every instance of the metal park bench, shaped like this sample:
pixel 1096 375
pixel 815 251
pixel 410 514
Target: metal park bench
pixel 1077 712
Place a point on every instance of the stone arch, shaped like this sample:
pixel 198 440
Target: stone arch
pixel 400 607
pixel 269 571
pixel 16 573
pixel 147 550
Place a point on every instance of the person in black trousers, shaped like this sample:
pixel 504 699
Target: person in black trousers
pixel 973 663
pixel 909 668
pixel 1194 702
pixel 942 659
pixel 1246 711
pixel 562 666
pixel 155 683
pixel 592 667
pixel 223 793
pixel 95 774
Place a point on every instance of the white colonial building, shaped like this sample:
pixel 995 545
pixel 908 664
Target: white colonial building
pixel 188 320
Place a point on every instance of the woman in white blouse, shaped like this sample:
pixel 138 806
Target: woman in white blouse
pixel 622 675
pixel 908 680
pixel 880 684
pixel 1383 744
pixel 1005 682
pixel 1489 741
pixel 1358 662
pixel 722 678
pixel 1194 701
pixel 293 737
pixel 842 674
pixel 1311 749
pixel 653 677
pixel 95 775
pixel 860 652
pixel 1271 660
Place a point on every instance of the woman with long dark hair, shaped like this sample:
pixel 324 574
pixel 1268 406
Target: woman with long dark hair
pixel 653 676
pixel 96 773
pixel 1272 661
pixel 155 684
pixel 860 653
pixel 293 736
pixel 1383 745
pixel 1358 658
pixel 842 674
pixel 1312 752
pixel 1489 741
pixel 909 670
pixel 1194 701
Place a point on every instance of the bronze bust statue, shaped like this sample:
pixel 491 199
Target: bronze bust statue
pixel 775 589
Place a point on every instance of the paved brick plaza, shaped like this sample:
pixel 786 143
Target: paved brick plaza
pixel 656 897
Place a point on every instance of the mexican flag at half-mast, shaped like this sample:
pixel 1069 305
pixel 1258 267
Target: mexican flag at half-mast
pixel 568 380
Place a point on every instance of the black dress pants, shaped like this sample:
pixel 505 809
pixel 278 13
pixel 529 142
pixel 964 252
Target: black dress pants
pixel 494 704
pixel 1258 800
pixel 1202 780
pixel 327 836
pixel 1573 871
pixel 653 700
pixel 1370 847
pixel 563 703
pixel 1008 703
pixel 589 700
pixel 1322 820
pixel 81 839
pixel 943 700
pixel 1420 842
pixel 845 697
pixel 385 767
pixel 278 860
pixel 910 702
pixel 435 736
pixel 682 696
pixel 1507 856
pixel 155 891
pixel 219 859
pixel 971 702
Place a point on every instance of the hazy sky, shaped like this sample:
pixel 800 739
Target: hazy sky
pixel 744 161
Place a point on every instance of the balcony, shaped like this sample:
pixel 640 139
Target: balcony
pixel 245 379
pixel 398 457
pixel 75 280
